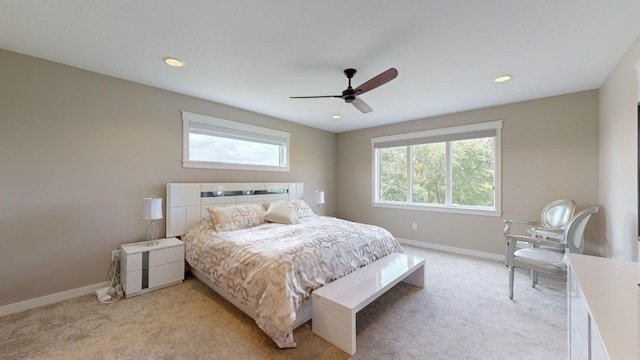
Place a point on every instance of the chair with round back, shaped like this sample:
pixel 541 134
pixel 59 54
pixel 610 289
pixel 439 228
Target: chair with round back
pixel 546 255
pixel 554 217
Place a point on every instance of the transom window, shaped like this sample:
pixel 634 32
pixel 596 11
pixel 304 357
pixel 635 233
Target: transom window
pixel 222 144
pixel 455 169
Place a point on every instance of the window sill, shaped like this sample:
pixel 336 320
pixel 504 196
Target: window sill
pixel 212 165
pixel 442 209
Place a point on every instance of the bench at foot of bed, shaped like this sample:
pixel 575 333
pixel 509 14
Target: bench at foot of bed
pixel 334 306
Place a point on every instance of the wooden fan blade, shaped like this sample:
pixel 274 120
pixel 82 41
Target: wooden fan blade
pixel 314 97
pixel 362 106
pixel 376 81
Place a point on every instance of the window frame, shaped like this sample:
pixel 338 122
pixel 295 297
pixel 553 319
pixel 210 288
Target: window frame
pixel 448 134
pixel 232 128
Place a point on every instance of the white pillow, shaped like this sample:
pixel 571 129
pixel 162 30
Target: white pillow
pixel 236 217
pixel 299 207
pixel 278 213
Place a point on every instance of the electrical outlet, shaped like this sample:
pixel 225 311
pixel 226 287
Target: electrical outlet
pixel 415 226
pixel 114 253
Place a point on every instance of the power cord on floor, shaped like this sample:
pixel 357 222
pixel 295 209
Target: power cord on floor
pixel 113 292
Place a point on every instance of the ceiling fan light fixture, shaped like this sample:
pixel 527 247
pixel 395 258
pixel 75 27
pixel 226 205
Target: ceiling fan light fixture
pixel 173 62
pixel 502 78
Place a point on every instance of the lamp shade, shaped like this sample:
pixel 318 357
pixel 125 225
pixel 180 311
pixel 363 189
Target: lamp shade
pixel 152 209
pixel 319 197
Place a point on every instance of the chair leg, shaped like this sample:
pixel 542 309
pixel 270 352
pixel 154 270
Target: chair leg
pixel 534 278
pixel 511 282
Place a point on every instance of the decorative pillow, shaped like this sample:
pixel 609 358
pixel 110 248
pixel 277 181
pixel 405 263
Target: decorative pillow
pixel 236 217
pixel 301 209
pixel 278 213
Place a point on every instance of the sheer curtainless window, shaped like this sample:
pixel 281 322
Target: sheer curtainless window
pixel 455 169
pixel 222 144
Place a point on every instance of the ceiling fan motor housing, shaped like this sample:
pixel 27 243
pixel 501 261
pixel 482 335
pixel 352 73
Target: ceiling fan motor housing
pixel 349 95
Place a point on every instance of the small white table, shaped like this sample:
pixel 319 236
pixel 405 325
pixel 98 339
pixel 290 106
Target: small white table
pixel 146 268
pixel 335 305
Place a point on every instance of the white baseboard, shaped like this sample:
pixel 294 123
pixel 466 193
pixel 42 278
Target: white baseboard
pixel 478 254
pixel 50 299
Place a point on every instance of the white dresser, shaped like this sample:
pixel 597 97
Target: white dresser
pixel 146 268
pixel 603 308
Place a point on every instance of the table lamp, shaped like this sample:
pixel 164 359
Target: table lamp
pixel 152 211
pixel 319 201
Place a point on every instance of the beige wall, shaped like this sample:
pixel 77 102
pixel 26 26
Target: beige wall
pixel 619 157
pixel 549 151
pixel 78 153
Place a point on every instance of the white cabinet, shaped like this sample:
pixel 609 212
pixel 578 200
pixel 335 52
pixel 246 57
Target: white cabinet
pixel 146 268
pixel 584 339
pixel 603 307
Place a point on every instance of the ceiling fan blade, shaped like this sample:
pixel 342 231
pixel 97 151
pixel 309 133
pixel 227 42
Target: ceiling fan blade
pixel 362 106
pixel 376 81
pixel 314 97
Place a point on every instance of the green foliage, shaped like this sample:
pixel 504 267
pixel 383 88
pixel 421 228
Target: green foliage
pixel 393 174
pixel 429 162
pixel 473 172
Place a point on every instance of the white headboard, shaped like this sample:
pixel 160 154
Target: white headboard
pixel 187 202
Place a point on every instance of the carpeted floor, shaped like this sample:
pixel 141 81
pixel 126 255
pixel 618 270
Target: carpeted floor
pixel 462 313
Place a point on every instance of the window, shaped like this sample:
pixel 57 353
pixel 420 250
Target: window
pixel 454 169
pixel 214 143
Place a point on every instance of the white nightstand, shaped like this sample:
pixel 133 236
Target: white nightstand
pixel 146 268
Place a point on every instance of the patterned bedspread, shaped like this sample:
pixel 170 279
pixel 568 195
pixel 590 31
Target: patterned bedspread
pixel 273 268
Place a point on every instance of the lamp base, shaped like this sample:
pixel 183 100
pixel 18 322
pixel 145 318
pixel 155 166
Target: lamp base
pixel 152 234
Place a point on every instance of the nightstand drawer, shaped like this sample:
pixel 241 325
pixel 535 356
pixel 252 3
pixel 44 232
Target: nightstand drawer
pixel 167 255
pixel 166 274
pixel 131 262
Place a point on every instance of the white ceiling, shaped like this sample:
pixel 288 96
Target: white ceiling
pixel 255 54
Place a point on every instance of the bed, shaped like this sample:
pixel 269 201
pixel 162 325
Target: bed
pixel 262 248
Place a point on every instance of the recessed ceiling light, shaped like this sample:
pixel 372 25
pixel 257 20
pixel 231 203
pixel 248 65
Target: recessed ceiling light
pixel 173 62
pixel 335 117
pixel 503 78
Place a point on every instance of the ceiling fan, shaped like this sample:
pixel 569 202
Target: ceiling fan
pixel 350 95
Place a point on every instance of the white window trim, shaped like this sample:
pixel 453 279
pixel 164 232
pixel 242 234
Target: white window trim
pixel 456 209
pixel 188 117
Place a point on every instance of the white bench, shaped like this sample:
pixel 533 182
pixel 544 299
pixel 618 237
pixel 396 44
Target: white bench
pixel 334 306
